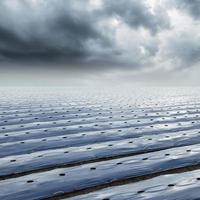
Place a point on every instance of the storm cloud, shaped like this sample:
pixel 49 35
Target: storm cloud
pixel 70 31
pixel 47 31
pixel 138 14
pixel 191 6
pixel 100 34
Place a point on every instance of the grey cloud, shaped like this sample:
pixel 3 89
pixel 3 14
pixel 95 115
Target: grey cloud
pixel 184 50
pixel 137 14
pixel 70 32
pixel 57 32
pixel 191 6
pixel 124 36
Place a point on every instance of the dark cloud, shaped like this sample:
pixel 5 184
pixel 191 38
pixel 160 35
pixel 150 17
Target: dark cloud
pixel 184 50
pixel 138 14
pixel 191 6
pixel 58 33
pixel 82 33
pixel 70 32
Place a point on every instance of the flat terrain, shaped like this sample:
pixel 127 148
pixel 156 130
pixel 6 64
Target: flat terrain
pixel 101 144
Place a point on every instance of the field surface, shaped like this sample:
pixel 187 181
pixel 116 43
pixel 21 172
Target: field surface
pixel 101 144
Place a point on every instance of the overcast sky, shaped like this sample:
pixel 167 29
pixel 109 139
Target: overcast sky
pixel 57 42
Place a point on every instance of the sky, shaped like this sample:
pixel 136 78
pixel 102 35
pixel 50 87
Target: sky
pixel 84 42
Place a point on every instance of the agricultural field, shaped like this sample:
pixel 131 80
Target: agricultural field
pixel 99 143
